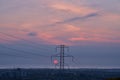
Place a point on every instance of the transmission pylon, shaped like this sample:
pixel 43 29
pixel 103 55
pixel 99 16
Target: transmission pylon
pixel 61 55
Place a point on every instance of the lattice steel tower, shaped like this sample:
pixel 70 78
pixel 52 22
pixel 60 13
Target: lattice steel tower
pixel 61 55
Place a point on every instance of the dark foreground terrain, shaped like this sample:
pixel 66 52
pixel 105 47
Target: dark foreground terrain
pixel 54 74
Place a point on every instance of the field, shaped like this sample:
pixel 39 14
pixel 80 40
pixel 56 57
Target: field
pixel 55 74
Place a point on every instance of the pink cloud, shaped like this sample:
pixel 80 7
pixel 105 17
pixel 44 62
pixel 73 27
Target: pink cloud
pixel 100 36
pixel 95 39
pixel 50 39
pixel 82 10
pixel 103 28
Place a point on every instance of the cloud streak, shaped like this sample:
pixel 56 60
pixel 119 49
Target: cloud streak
pixel 75 19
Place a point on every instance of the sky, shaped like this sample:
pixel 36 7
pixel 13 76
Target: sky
pixel 31 29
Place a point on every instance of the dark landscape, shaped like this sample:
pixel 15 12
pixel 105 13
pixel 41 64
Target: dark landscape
pixel 56 74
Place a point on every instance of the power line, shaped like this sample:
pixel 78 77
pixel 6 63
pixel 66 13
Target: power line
pixel 23 51
pixel 13 55
pixel 21 45
pixel 28 41
pixel 17 56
